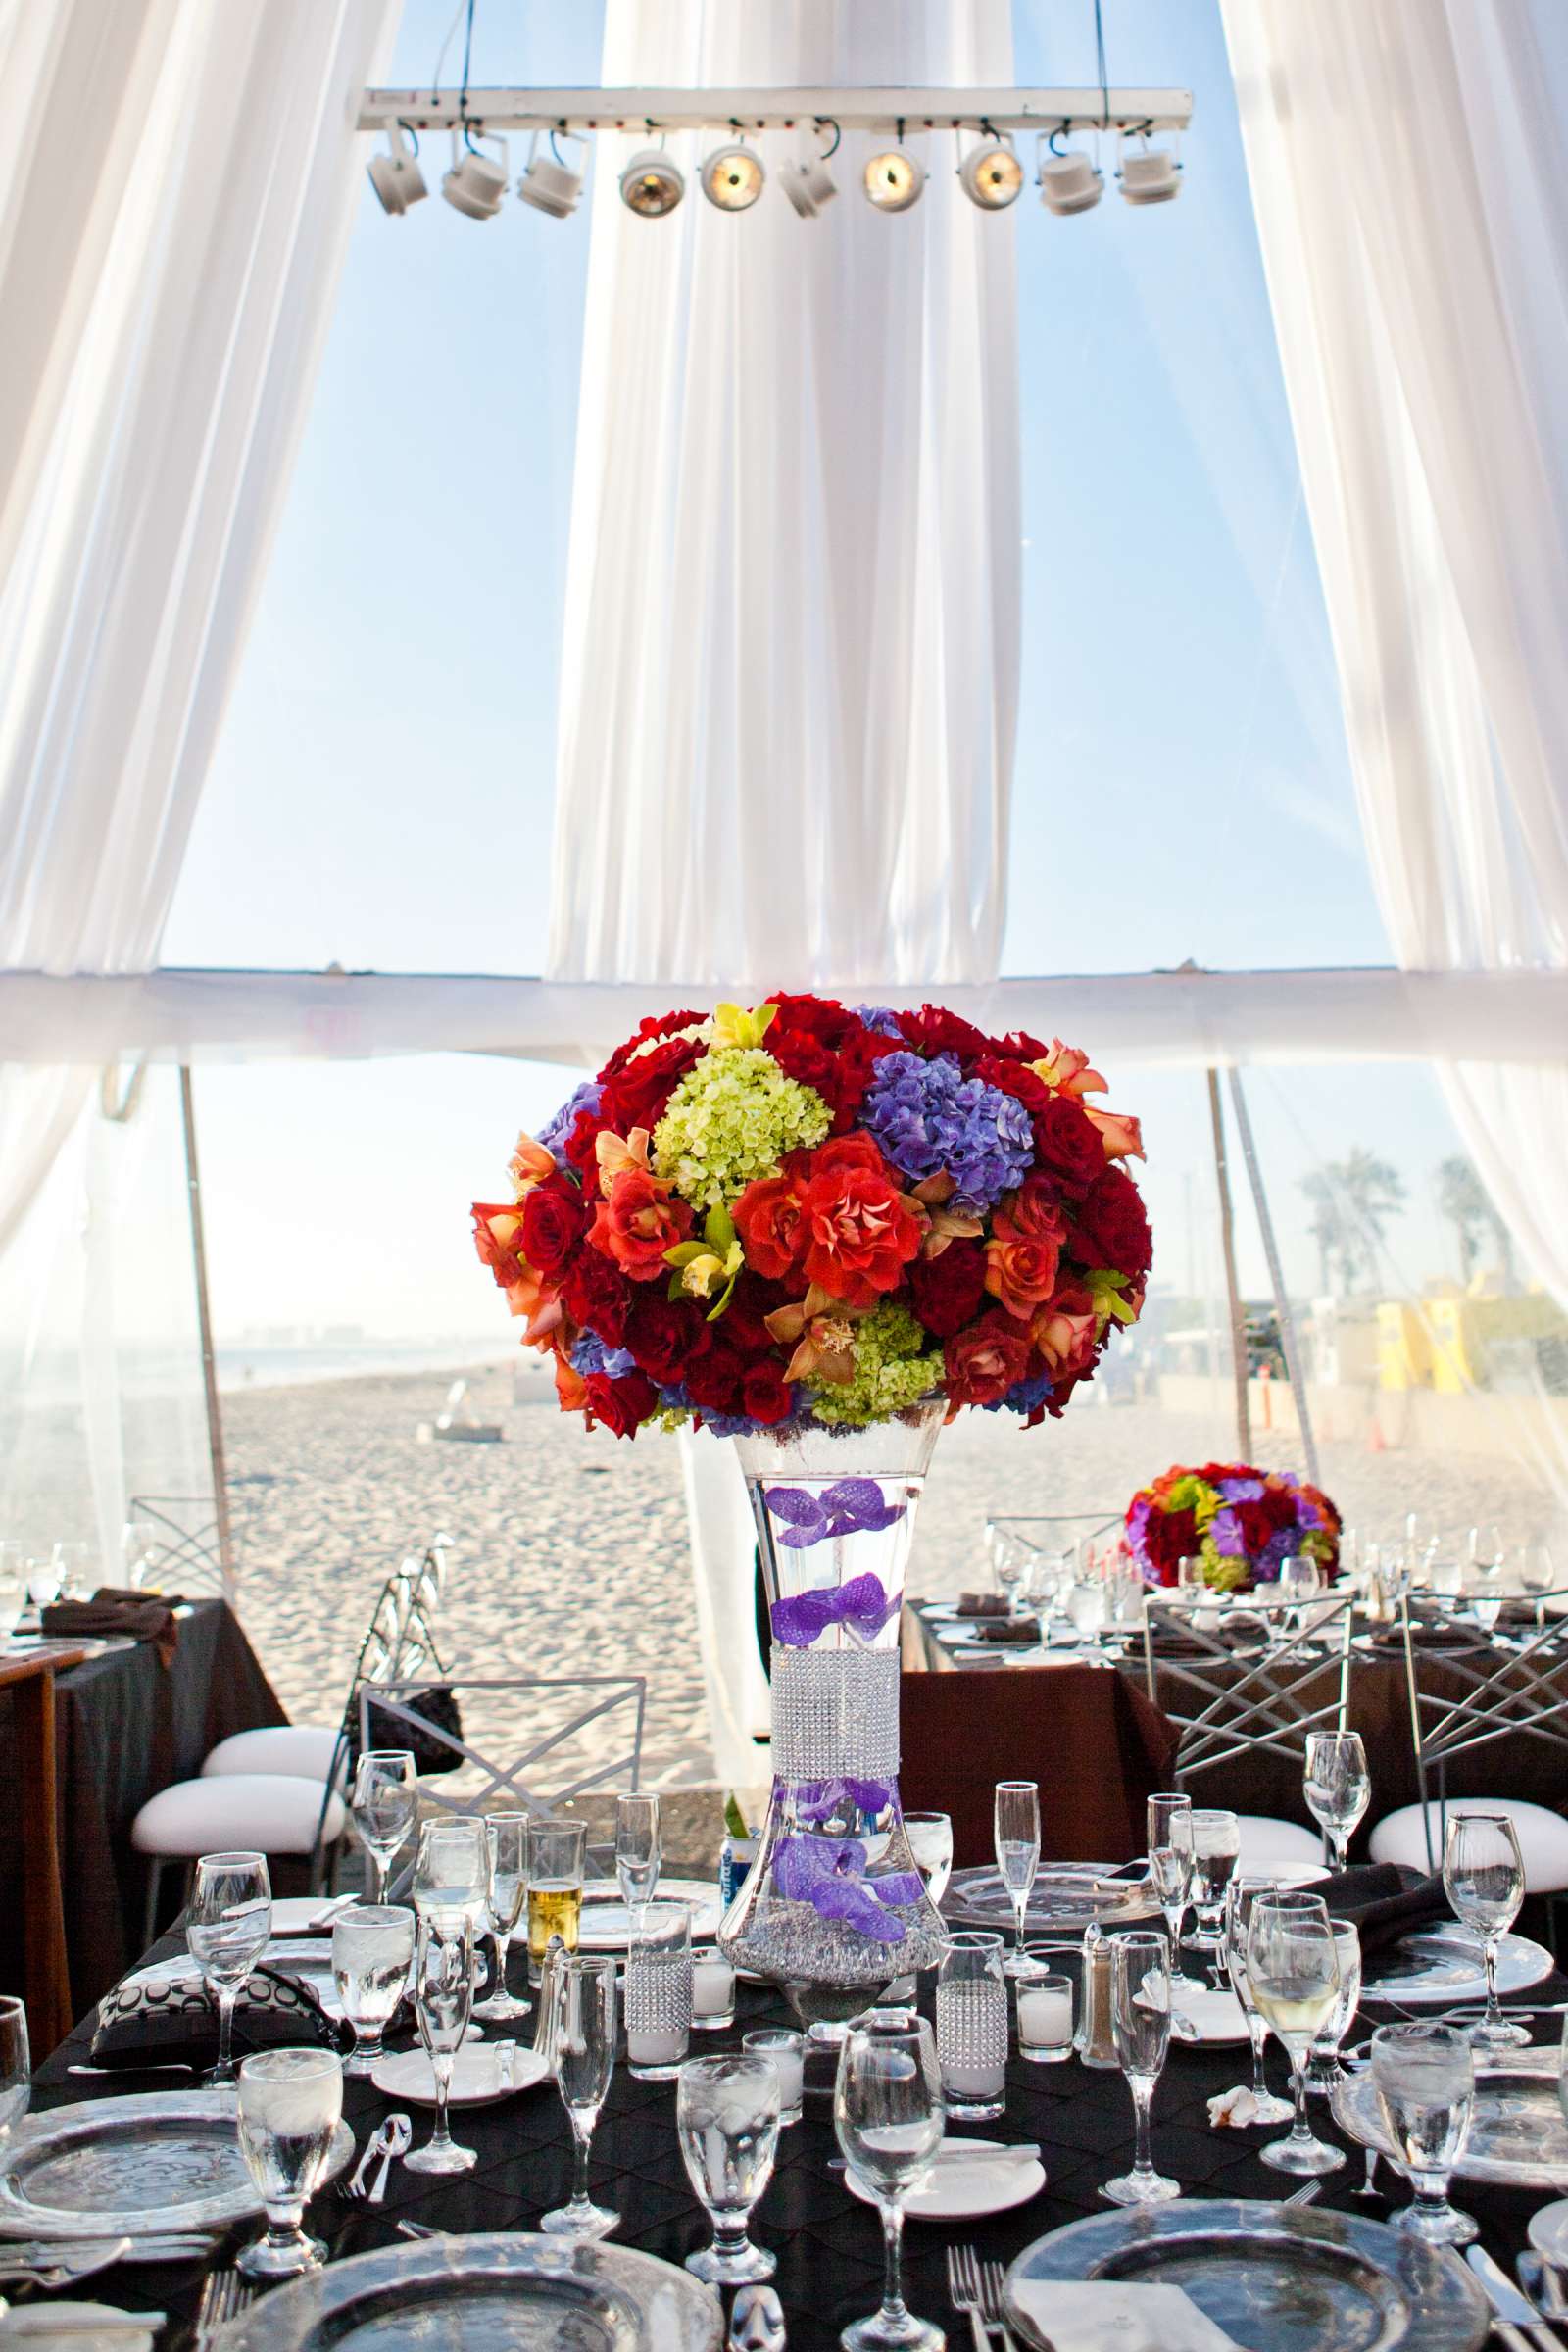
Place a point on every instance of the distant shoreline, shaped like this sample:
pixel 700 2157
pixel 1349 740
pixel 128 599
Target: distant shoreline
pixel 241 1368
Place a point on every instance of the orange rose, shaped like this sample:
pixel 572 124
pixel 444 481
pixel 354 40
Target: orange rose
pixel 859 1234
pixel 1066 1330
pixel 767 1218
pixel 1122 1136
pixel 638 1222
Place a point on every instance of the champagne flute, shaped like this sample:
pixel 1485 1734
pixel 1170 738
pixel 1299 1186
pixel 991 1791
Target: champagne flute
pixel 1295 1974
pixel 289 2106
pixel 227 1928
pixel 507 1844
pixel 1240 1897
pixel 583 2005
pixel 1424 2077
pixel 889 2118
pixel 373 1945
pixel 1139 2025
pixel 443 2004
pixel 1169 1831
pixel 1484 1879
pixel 16 2063
pixel 385 1800
pixel 1338 1786
pixel 1016 1821
pixel 727 2117
pixel 638 1849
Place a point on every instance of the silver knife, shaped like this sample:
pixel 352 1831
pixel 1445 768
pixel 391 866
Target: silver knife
pixel 1513 2316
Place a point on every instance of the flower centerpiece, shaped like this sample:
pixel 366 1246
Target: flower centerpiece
pixel 1241 1522
pixel 822 1231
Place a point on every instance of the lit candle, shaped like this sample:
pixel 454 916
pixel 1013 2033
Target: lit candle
pixel 1045 2017
pixel 973 2081
pixel 713 1990
pixel 656 2045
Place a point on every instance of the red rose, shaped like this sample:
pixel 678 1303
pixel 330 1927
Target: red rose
pixel 638 1095
pixel 834 1056
pixel 1111 1228
pixel 1278 1507
pixel 495 1237
pixel 985 1361
pixel 641 1219
pixel 821 1017
pixel 766 1395
pixel 858 1235
pixel 1170 1537
pixel 744 1324
pixel 933 1030
pixel 1013 1078
pixel 771 1227
pixel 662 1024
pixel 946 1291
pixel 620 1405
pixel 580 1149
pixel 714 1381
pixel 802 1057
pixel 665 1335
pixel 1067 1144
pixel 597 1297
pixel 1019 1046
pixel 1257 1526
pixel 555 1218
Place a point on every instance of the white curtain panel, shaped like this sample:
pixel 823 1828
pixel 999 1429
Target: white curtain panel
pixel 790 665
pixel 1408 174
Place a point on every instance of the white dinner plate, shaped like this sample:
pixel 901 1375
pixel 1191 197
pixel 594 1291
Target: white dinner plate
pixel 965 2186
pixel 607 1924
pixel 1288 1874
pixel 1218 2017
pixel 478 2079
pixel 1444 1965
pixel 310 1914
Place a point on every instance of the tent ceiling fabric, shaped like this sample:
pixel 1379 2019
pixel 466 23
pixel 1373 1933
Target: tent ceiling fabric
pixel 790 661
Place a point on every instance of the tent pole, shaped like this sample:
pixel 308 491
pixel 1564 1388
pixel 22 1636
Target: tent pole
pixel 215 1418
pixel 1227 1235
pixel 1276 1275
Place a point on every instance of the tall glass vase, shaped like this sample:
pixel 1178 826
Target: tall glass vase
pixel 833 1908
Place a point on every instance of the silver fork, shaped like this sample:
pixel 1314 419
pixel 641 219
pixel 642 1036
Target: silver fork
pixel 225 2294
pixel 990 2302
pixel 964 2292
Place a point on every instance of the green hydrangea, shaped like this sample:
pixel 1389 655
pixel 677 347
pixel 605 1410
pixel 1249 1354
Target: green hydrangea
pixel 891 1371
pixel 731 1120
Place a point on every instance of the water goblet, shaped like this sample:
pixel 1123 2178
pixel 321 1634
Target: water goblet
pixel 372 1948
pixel 1293 1969
pixel 384 1801
pixel 972 2023
pixel 727 2119
pixel 558 1854
pixel 16 2063
pixel 452 1872
pixel 1484 1879
pixel 1338 1786
pixel 1169 1831
pixel 638 1848
pixel 1140 2024
pixel 443 2004
pixel 289 2106
pixel 45 1583
pixel 227 1926
pixel 658 1991
pixel 1016 1829
pixel 1216 1850
pixel 1324 2073
pixel 584 2054
pixel 1424 2076
pixel 1240 1897
pixel 889 2118
pixel 507 1844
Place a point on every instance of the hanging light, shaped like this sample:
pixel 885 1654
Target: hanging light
pixel 1149 175
pixel 991 174
pixel 733 177
pixel 651 184
pixel 477 183
pixel 894 180
pixel 395 176
pixel 807 180
pixel 550 183
pixel 1069 180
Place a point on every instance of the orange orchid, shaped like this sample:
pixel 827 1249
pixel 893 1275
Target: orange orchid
pixel 940 1224
pixel 1065 1070
pixel 530 1164
pixel 822 1327
pixel 614 1155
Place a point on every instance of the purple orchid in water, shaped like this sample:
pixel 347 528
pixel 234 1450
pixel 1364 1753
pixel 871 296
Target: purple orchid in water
pixel 851 1507
pixel 861 1604
pixel 819 1800
pixel 829 1874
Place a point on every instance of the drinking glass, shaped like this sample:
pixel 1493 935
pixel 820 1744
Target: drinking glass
pixel 889 2119
pixel 930 1836
pixel 727 2118
pixel 1484 1879
pixel 787 2050
pixel 1324 2073
pixel 638 1848
pixel 1192 1582
pixel 452 1873
pixel 1140 2024
pixel 558 1852
pixel 1299 1576
pixel 385 1800
pixel 1044 2017
pixel 1018 1842
pixel 507 1844
pixel 1086 1606
pixel 443 2004
pixel 16 2063
pixel 1424 2076
pixel 1339 1786
pixel 76 1567
pixel 1216 1850
pixel 714 1994
pixel 1008 1562
pixel 584 2057
pixel 1295 1974
pixel 138 1549
pixel 1169 1831
pixel 1240 1897
pixel 44 1583
pixel 658 1991
pixel 226 1931
pixel 372 1947
pixel 972 2023
pixel 290 2104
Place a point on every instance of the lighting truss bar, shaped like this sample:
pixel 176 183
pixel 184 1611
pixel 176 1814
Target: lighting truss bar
pixel 887 112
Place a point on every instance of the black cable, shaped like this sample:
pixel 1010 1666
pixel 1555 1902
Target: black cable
pixel 468 59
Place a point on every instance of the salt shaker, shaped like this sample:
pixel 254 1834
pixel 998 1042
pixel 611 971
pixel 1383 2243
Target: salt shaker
pixel 1097 2045
pixel 757 2320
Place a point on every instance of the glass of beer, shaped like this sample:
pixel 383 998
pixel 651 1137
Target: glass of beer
pixel 557 1853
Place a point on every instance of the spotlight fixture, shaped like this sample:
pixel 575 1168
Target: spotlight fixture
pixel 894 180
pixel 991 176
pixel 733 177
pixel 1069 181
pixel 477 183
pixel 550 183
pixel 1150 174
pixel 651 185
pixel 808 183
pixel 395 176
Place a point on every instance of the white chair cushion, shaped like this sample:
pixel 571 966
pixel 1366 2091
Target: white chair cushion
pixel 1266 1843
pixel 265 1811
pixel 304 1752
pixel 1542 1837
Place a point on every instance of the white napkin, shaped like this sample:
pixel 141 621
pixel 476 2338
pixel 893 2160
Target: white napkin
pixel 1105 2315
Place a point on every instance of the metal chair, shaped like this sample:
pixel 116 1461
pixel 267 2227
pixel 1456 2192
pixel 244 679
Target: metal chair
pixel 187 1545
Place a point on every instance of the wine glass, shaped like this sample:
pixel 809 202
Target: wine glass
pixel 1192 1578
pixel 16 2063
pixel 77 1566
pixel 372 1947
pixel 1017 1841
pixel 638 1848
pixel 443 2004
pixel 452 1872
pixel 1484 1879
pixel 582 2007
pixel 226 1931
pixel 1295 1974
pixel 507 1846
pixel 138 1549
pixel 1139 2025
pixel 889 2119
pixel 385 1800
pixel 1533 1570
pixel 290 2104
pixel 1424 2077
pixel 1169 1831
pixel 1008 1562
pixel 1240 1897
pixel 1216 1850
pixel 727 2117
pixel 1324 2073
pixel 1337 1788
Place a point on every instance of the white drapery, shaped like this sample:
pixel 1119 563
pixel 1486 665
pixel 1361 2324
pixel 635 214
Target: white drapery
pixel 789 674
pixel 1406 165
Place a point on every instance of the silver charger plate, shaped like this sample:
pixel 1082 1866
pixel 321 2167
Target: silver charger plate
pixel 1275 2280
pixel 502 2293
pixel 1063 1899
pixel 1444 1965
pixel 605 1925
pixel 1518 2134
pixel 136 2167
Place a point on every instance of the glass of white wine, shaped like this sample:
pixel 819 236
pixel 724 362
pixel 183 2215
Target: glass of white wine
pixel 1484 1879
pixel 1140 2024
pixel 1424 2077
pixel 1016 1829
pixel 290 2104
pixel 889 2119
pixel 558 1854
pixel 727 2117
pixel 1338 1786
pixel 1294 1971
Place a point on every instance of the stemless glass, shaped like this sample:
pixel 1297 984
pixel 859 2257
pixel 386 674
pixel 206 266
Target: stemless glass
pixel 1295 1974
pixel 372 1948
pixel 1216 1850
pixel 385 1800
pixel 16 2063
pixel 1169 1831
pixel 638 1848
pixel 290 2104
pixel 1324 2073
pixel 1240 1897
pixel 1338 1786
pixel 1484 1879
pixel 507 1844
pixel 889 2119
pixel 443 2004
pixel 452 1873
pixel 1424 2076
pixel 1016 1822
pixel 1140 2024
pixel 558 1854
pixel 727 2118
pixel 226 1931
pixel 584 2061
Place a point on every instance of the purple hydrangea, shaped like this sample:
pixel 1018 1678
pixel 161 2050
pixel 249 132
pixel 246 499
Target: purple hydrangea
pixel 878 1017
pixel 554 1134
pixel 926 1117
pixel 589 1354
pixel 1025 1395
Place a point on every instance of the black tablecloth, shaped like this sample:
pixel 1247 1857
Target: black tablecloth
pixel 125 1727
pixel 828 2245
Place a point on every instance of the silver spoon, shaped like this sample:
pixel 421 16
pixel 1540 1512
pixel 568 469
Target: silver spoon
pixel 396 2133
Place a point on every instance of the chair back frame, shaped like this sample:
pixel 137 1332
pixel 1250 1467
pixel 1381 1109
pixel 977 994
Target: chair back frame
pixel 1253 1695
pixel 1511 1686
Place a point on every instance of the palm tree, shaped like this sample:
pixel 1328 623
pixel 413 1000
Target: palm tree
pixel 1352 1200
pixel 1467 1204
